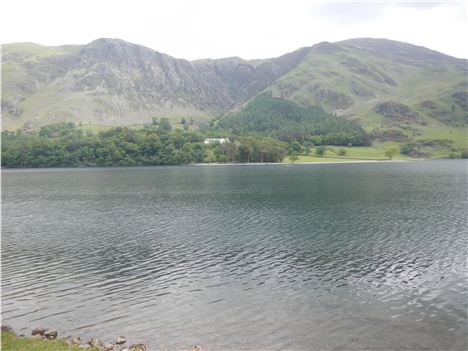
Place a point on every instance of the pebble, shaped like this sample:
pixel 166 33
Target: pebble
pixel 38 331
pixel 121 340
pixel 50 334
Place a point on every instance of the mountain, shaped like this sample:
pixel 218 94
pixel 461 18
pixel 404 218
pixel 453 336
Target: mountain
pixel 393 89
pixel 112 82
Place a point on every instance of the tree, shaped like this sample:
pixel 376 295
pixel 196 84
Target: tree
pixel 294 157
pixel 294 147
pixel 408 148
pixel 342 152
pixel 320 150
pixel 164 125
pixel 391 151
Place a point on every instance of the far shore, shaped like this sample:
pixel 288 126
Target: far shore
pixel 297 163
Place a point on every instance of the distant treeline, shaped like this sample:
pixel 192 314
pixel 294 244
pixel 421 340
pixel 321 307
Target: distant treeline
pixel 265 130
pixel 64 145
pixel 285 120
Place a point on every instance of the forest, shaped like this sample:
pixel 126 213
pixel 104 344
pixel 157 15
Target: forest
pixel 65 145
pixel 285 120
pixel 265 130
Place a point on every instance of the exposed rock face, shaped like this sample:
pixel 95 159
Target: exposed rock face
pixel 387 135
pixel 326 96
pixel 397 112
pixel 461 98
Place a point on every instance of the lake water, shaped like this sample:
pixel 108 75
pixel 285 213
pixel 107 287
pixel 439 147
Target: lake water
pixel 303 257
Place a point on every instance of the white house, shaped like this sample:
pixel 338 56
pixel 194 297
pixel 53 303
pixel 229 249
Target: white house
pixel 216 140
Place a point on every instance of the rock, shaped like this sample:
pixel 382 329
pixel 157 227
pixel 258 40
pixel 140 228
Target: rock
pixel 38 336
pixel 75 340
pixel 196 348
pixel 38 331
pixel 50 334
pixel 397 112
pixel 120 340
pixel 108 347
pixel 137 347
pixel 93 342
pixel 7 329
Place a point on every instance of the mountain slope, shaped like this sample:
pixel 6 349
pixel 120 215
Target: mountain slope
pixel 390 88
pixel 386 85
pixel 112 82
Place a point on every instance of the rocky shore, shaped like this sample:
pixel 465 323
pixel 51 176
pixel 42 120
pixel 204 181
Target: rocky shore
pixel 118 344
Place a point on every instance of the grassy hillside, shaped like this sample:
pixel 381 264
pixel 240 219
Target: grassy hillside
pixel 396 91
pixel 419 93
pixel 112 82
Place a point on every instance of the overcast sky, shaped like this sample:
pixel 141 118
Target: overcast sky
pixel 195 29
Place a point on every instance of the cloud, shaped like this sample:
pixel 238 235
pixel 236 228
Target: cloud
pixel 250 29
pixel 425 4
pixel 349 12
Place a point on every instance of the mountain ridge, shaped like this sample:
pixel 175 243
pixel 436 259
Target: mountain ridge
pixel 113 82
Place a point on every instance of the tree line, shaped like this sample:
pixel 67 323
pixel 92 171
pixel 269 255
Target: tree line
pixel 65 145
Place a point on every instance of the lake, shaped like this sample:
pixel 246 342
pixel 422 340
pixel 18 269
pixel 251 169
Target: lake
pixel 302 257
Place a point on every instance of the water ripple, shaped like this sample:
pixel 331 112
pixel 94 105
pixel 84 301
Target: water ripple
pixel 338 256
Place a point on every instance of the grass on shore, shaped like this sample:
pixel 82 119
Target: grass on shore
pixel 12 342
pixel 353 153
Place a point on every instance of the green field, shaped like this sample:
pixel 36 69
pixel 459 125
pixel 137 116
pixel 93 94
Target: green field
pixel 353 153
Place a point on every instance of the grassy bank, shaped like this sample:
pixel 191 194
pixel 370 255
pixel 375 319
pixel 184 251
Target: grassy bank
pixel 352 153
pixel 12 342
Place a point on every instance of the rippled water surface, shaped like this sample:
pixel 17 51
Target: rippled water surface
pixel 350 256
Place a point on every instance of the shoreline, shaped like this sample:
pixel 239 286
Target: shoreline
pixel 42 339
pixel 307 163
pixel 298 163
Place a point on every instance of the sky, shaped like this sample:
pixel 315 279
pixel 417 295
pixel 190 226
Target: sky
pixel 195 29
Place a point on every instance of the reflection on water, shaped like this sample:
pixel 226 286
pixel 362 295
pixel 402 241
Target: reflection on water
pixel 368 256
